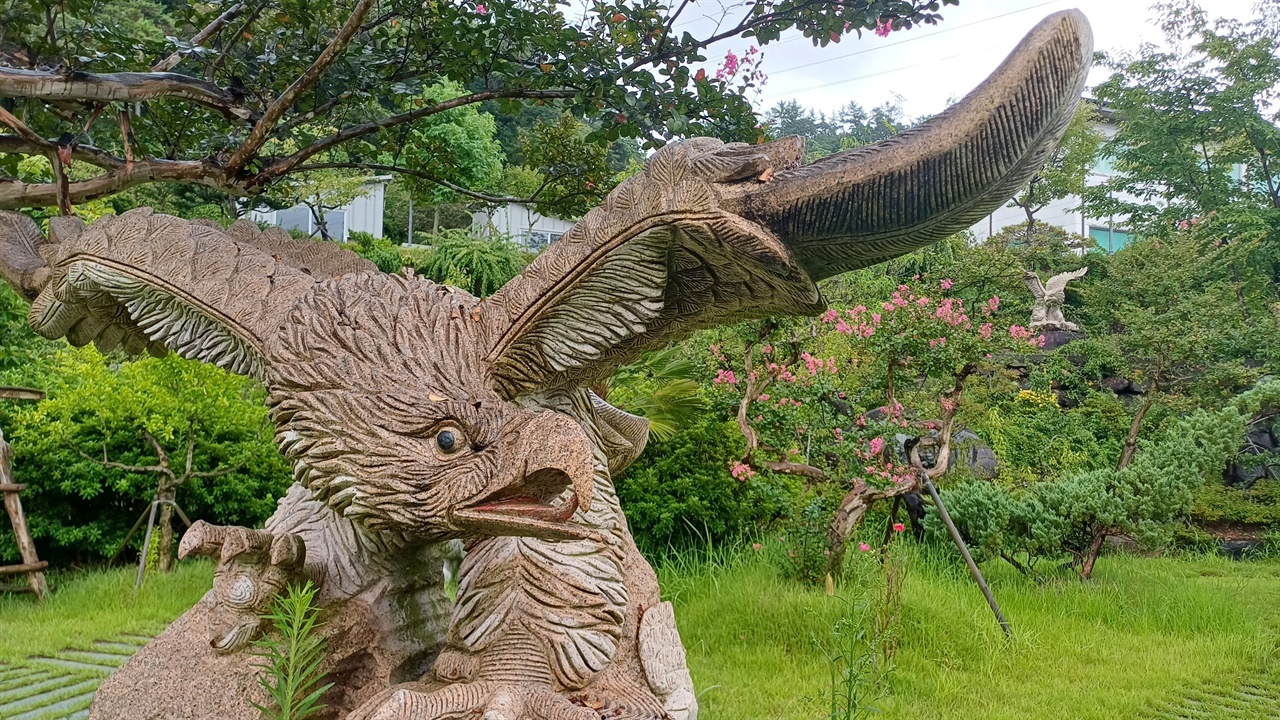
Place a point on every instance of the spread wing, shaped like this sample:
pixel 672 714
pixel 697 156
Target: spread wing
pixel 713 234
pixel 146 281
pixel 1058 283
pixel 1032 281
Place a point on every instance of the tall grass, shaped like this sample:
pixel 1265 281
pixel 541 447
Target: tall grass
pixel 1144 630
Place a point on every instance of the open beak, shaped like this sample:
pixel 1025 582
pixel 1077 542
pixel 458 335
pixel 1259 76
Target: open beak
pixel 546 473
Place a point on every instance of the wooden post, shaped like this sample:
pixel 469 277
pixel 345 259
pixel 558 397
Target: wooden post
pixel 31 564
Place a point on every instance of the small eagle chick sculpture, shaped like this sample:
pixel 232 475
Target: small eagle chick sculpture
pixel 416 415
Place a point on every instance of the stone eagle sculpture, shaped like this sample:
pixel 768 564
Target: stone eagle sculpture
pixel 415 414
pixel 1046 313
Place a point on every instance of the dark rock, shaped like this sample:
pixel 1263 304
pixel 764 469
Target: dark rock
pixel 1054 339
pixel 968 451
pixel 1254 461
pixel 1117 384
pixel 1239 549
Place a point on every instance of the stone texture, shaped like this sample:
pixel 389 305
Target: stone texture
pixel 416 415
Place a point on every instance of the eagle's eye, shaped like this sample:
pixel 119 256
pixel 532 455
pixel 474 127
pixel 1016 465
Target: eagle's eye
pixel 447 441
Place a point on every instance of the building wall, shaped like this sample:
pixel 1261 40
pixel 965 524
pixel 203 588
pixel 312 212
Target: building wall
pixel 364 214
pixel 522 224
pixel 1066 213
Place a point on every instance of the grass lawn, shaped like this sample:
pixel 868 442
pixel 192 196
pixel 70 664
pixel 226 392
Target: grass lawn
pixel 1145 633
pixel 95 605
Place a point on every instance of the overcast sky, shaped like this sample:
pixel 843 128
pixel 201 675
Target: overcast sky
pixel 927 65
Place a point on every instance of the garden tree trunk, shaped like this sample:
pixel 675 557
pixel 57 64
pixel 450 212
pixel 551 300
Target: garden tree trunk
pixel 852 509
pixel 1131 442
pixel 164 552
pixel 166 488
pixel 1086 567
pixel 854 506
pixel 435 222
pixel 1126 457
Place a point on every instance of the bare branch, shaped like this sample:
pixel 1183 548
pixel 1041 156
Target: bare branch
pixel 25 132
pixel 47 85
pixel 212 28
pixel 191 445
pixel 272 115
pixel 310 115
pixel 212 70
pixel 150 470
pixel 286 165
pixel 414 173
pixel 17 195
pixel 208 473
pixel 160 453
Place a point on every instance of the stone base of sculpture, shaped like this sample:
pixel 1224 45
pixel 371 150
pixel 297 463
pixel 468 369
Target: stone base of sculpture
pixel 179 676
pixel 1055 338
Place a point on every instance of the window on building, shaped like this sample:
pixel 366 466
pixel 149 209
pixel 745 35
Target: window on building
pixel 1110 239
pixel 1105 165
pixel 536 239
pixel 556 236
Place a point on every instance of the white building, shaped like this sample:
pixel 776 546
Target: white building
pixel 1108 232
pixel 364 214
pixel 522 224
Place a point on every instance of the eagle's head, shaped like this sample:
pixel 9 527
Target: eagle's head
pixel 380 398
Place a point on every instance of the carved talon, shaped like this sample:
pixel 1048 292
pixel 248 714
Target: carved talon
pixel 484 700
pixel 253 566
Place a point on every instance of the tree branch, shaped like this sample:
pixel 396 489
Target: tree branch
pixel 414 173
pixel 25 132
pixel 84 153
pixel 17 195
pixel 172 61
pixel 150 470
pixel 221 58
pixel 274 112
pixel 285 165
pixel 48 85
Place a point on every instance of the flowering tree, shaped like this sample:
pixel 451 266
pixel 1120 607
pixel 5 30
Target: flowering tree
pixel 797 397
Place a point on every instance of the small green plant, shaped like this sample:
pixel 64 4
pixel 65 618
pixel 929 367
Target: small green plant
pixel 856 666
pixel 291 656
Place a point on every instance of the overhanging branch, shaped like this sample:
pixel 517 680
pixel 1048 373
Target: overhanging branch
pixel 18 195
pixel 286 165
pixel 274 112
pixel 84 153
pixel 414 173
pixel 209 31
pixel 51 85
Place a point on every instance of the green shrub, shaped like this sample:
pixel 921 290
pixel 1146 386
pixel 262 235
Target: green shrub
pixel 680 493
pixel 80 510
pixel 475 264
pixel 1258 505
pixel 1145 500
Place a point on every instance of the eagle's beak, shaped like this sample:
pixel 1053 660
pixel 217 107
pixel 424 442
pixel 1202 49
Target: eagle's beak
pixel 546 474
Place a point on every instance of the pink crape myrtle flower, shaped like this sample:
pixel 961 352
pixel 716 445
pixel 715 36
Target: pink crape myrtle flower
pixel 741 471
pixel 883 28
pixel 725 377
pixel 481 9
pixel 946 284
pixel 877 444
